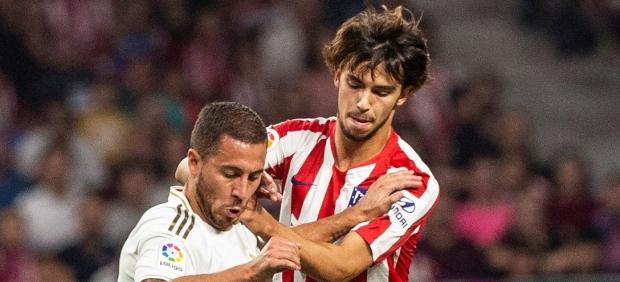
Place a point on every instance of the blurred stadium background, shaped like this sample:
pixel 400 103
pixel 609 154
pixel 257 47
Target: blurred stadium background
pixel 520 124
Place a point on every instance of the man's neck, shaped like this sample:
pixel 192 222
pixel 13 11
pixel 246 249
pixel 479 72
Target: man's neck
pixel 350 153
pixel 194 203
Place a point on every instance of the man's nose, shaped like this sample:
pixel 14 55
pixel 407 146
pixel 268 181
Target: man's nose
pixel 241 188
pixel 363 101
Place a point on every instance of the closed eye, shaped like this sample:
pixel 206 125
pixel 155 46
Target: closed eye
pixel 355 85
pixel 255 176
pixel 230 173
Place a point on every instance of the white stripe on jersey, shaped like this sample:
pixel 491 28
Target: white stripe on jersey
pixel 314 199
pixel 401 221
pixel 378 272
pixel 412 155
pixel 290 143
pixel 354 178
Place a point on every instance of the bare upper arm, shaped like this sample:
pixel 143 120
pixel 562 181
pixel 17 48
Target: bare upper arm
pixel 337 262
pixel 355 248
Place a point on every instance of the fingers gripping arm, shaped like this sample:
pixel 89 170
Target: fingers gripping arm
pixel 277 255
pixel 182 172
pixel 380 196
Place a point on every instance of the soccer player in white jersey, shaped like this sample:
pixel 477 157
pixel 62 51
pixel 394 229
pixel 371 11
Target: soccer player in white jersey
pixel 196 235
pixel 378 59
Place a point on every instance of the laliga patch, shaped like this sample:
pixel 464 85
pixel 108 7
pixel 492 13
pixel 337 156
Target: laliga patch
pixel 272 138
pixel 172 256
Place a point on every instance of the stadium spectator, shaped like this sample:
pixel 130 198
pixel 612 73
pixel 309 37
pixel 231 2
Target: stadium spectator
pixel 573 234
pixel 17 262
pixel 50 206
pixel 92 251
pixel 57 125
pixel 11 182
pixel 133 193
pixel 452 256
pixel 608 224
pixel 485 217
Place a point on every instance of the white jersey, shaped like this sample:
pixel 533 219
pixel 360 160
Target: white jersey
pixel 170 241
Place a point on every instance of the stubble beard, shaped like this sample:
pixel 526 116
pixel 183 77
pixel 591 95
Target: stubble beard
pixel 205 200
pixel 360 138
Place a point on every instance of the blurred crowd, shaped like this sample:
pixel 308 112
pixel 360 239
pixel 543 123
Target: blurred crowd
pixel 97 98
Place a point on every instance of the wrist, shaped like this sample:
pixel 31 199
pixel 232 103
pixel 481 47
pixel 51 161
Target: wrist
pixel 252 272
pixel 355 216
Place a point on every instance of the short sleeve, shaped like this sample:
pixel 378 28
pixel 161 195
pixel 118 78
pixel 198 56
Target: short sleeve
pixel 387 233
pixel 161 257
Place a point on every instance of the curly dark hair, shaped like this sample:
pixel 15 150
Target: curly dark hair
pixel 391 37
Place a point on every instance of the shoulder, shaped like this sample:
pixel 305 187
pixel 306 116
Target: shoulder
pixel 167 219
pixel 311 125
pixel 293 135
pixel 405 157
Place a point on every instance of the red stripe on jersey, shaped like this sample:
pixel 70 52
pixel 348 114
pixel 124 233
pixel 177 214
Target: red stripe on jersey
pixel 288 276
pixel 314 125
pixel 280 171
pixel 406 256
pixel 400 159
pixel 331 195
pixel 379 225
pixel 392 277
pixel 303 181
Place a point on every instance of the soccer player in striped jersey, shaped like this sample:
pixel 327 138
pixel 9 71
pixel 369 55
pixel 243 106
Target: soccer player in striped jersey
pixel 196 235
pixel 328 166
pixel 378 60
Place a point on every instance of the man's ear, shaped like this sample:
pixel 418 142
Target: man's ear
pixel 337 77
pixel 404 94
pixel 194 162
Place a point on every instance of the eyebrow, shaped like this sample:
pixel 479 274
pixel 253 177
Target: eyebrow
pixel 238 169
pixel 354 78
pixel 378 88
pixel 384 88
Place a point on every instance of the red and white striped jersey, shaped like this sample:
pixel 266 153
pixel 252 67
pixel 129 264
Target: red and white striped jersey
pixel 302 155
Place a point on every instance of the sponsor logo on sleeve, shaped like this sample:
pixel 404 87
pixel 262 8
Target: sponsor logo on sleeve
pixel 408 205
pixel 172 257
pixel 405 205
pixel 272 138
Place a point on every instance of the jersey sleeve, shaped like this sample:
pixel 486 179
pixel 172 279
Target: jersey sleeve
pixel 289 137
pixel 162 257
pixel 276 153
pixel 387 233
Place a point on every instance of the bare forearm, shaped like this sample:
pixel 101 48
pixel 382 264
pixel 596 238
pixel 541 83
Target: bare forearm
pixel 331 228
pixel 240 273
pixel 325 261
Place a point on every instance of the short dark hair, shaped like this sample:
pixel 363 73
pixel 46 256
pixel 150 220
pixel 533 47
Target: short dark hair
pixel 232 119
pixel 391 37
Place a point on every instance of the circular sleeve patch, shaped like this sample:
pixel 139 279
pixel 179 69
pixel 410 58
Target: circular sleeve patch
pixel 172 256
pixel 272 138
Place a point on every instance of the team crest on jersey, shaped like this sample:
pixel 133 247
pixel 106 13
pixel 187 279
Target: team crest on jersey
pixel 172 257
pixel 272 138
pixel 357 194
